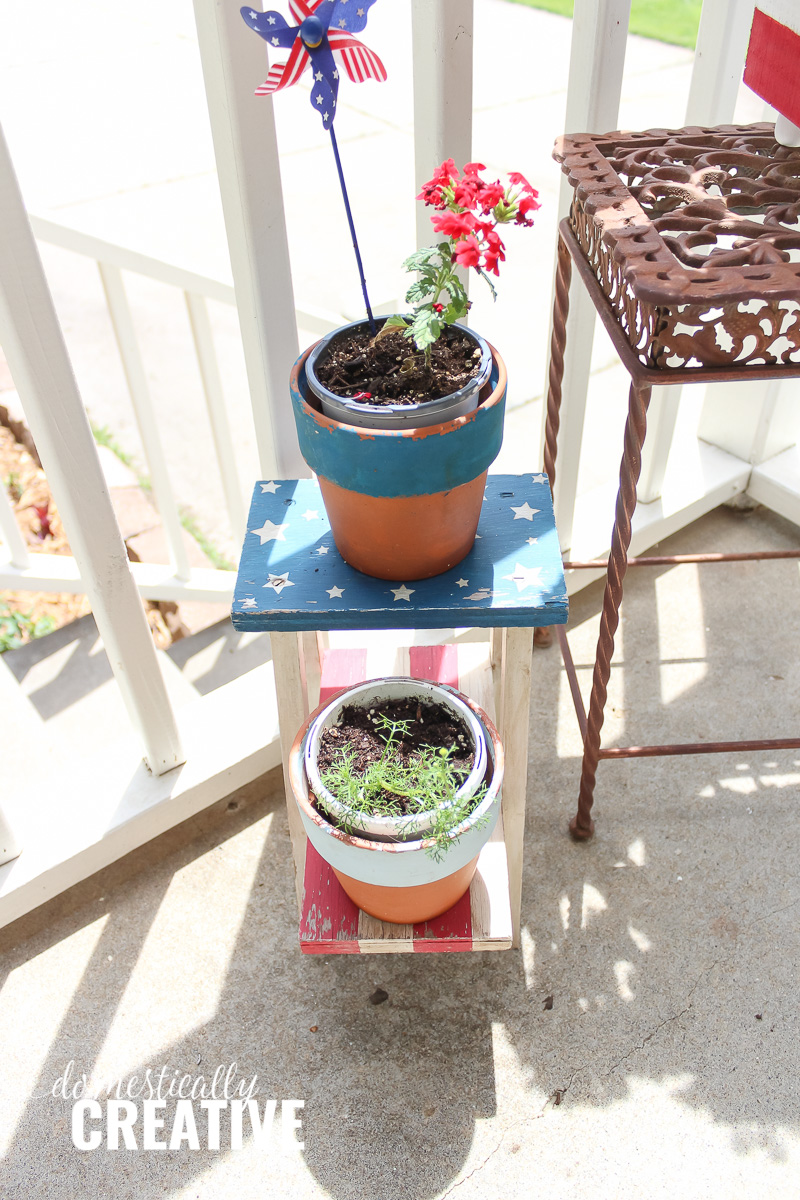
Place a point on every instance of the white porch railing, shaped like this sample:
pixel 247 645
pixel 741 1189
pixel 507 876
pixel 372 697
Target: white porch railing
pixel 178 581
pixel 231 740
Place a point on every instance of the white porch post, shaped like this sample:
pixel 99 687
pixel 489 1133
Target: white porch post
pixel 34 345
pixel 442 41
pixel 719 61
pixel 753 420
pixel 243 127
pixel 599 38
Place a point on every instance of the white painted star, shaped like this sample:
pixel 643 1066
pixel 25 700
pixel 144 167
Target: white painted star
pixel 311 514
pixel 276 41
pixel 319 99
pixel 270 487
pixel 325 116
pixel 462 583
pixel 335 593
pixel 318 76
pixel 270 532
pixel 540 478
pixel 533 541
pixel 524 512
pixel 249 603
pixel 278 582
pixel 322 550
pixel 524 577
pixel 271 20
pixel 253 15
pixel 335 74
pixel 342 24
pixel 402 593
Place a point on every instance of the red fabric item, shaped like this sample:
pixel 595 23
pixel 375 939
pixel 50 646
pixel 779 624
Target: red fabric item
pixel 772 68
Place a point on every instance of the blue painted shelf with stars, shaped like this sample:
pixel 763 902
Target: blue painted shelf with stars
pixel 291 576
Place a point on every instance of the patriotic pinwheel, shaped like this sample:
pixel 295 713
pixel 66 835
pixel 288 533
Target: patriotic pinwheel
pixel 321 39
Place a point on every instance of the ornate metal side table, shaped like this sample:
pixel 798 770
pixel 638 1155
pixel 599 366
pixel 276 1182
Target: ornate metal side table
pixel 683 240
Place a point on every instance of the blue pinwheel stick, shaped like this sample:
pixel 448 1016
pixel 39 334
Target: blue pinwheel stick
pixel 322 39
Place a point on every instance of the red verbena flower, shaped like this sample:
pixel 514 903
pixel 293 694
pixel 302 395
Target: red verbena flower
pixel 447 171
pixel 454 225
pixel 521 181
pixel 527 204
pixel 467 192
pixel 467 253
pixel 491 194
pixel 470 211
pixel 431 194
pixel 443 176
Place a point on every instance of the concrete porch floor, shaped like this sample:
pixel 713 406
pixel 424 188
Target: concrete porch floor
pixel 668 1063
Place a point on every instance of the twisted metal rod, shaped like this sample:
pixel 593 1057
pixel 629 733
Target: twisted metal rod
pixel 582 826
pixel 556 373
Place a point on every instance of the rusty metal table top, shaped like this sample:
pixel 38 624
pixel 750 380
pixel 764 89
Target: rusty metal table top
pixel 694 237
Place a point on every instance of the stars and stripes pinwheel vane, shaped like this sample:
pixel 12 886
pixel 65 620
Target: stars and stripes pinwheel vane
pixel 323 40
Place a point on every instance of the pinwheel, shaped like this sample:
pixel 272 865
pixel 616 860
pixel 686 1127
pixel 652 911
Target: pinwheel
pixel 323 40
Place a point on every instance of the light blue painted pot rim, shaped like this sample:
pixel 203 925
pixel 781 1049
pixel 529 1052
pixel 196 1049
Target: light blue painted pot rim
pixel 398 863
pixel 373 691
pixel 396 416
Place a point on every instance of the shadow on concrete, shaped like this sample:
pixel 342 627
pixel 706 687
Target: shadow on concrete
pixel 656 972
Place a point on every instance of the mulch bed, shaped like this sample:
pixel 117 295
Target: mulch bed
pixel 40 524
pixel 392 371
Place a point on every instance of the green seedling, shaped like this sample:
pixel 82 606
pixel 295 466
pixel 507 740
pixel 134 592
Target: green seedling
pixel 427 783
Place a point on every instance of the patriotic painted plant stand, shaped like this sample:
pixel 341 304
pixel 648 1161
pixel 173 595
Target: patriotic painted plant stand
pixel 293 582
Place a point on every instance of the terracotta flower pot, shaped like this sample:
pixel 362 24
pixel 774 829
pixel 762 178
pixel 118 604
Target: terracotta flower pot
pixel 401 882
pixel 403 504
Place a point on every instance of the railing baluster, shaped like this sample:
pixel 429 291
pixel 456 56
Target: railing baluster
pixel 122 321
pixel 718 61
pixel 217 415
pixel 34 345
pixel 246 149
pixel 599 39
pixel 442 57
pixel 17 550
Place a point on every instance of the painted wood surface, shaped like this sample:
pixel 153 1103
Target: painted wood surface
pixel 481 920
pixel 291 575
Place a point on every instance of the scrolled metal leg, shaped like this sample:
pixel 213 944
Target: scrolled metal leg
pixel 582 826
pixel 558 341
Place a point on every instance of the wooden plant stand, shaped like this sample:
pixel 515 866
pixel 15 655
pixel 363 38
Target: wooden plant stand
pixel 293 582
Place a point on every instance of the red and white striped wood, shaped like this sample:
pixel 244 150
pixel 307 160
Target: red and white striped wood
pixel 481 920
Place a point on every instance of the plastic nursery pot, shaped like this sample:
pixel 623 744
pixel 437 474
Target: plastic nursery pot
pixel 396 416
pixel 403 504
pixel 371 695
pixel 401 882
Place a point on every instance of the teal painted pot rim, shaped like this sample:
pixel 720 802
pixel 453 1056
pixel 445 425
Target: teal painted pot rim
pixel 298 383
pixel 397 416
